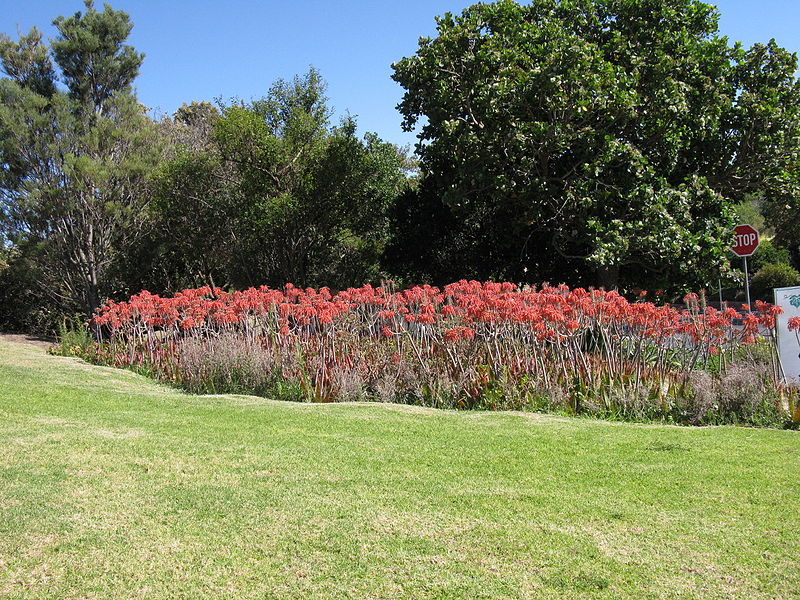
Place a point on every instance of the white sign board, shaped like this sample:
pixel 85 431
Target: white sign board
pixel 788 345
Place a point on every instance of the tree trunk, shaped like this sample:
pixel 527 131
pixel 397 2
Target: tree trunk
pixel 93 279
pixel 92 294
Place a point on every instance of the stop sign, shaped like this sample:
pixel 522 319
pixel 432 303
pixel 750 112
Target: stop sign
pixel 746 240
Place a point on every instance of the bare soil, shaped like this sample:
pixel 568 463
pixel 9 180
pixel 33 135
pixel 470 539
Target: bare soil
pixel 21 338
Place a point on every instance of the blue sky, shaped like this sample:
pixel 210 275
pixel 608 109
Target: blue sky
pixel 201 50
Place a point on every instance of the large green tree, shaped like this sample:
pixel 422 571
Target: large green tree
pixel 611 137
pixel 272 192
pixel 194 216
pixel 75 147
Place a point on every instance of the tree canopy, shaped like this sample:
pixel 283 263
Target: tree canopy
pixel 269 191
pixel 74 157
pixel 610 137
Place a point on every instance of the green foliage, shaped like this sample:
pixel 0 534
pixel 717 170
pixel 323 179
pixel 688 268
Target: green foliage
pixel 772 276
pixel 95 62
pixel 767 253
pixel 27 62
pixel 75 161
pixel 73 339
pixel 276 194
pixel 750 212
pixel 22 308
pixel 782 212
pixel 612 134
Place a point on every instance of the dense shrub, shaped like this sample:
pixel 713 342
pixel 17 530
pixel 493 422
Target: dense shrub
pixel 770 277
pixel 22 307
pixel 767 253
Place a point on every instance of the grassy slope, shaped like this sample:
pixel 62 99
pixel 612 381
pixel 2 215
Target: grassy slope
pixel 114 487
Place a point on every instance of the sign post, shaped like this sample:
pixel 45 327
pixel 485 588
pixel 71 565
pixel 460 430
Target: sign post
pixel 744 245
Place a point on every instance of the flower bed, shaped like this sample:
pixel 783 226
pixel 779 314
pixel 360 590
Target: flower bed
pixel 467 345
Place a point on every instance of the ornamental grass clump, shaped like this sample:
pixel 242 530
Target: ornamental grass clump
pixel 468 345
pixel 227 363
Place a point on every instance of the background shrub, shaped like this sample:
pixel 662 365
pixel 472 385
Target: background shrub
pixel 772 276
pixel 767 253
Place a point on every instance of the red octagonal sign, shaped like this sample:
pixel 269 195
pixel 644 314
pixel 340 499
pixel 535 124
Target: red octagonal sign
pixel 746 240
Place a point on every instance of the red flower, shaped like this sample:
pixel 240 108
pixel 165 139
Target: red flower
pixel 452 335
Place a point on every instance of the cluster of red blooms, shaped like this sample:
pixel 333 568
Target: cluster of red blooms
pixel 465 333
pixel 459 311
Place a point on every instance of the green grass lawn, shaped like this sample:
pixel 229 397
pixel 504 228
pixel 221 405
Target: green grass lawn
pixel 112 486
